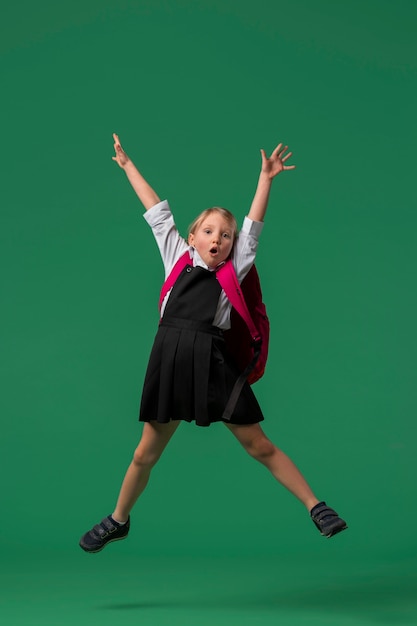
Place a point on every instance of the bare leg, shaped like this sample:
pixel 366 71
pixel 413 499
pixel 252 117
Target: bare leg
pixel 154 438
pixel 257 444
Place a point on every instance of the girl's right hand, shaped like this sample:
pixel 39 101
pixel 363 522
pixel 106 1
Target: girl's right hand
pixel 121 157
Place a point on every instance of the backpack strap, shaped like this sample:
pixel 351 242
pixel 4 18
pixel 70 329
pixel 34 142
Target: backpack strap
pixel 227 278
pixel 184 260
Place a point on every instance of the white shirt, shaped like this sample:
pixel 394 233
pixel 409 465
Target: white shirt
pixel 172 246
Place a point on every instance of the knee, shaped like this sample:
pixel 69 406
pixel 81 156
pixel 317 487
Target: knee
pixel 261 449
pixel 144 458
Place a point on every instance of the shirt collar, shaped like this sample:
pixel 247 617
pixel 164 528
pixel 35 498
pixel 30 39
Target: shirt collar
pixel 198 261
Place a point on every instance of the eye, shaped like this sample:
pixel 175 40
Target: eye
pixel 207 231
pixel 226 236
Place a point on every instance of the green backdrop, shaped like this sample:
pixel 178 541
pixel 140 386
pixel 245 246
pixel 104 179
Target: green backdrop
pixel 195 89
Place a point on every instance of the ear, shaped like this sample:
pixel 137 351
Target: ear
pixel 191 239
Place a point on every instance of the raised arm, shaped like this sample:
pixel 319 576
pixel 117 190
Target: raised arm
pixel 271 167
pixel 143 190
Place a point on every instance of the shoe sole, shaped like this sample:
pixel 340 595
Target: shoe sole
pixel 102 547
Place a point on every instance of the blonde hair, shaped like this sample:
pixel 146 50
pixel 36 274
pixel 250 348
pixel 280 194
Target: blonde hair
pixel 225 213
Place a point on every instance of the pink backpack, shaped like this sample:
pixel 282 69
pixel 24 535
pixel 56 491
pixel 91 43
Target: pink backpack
pixel 248 337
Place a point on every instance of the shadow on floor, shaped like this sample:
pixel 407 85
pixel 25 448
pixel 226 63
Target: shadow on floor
pixel 384 600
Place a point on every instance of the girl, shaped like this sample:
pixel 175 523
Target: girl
pixel 190 374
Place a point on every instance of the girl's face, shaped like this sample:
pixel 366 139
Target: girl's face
pixel 213 239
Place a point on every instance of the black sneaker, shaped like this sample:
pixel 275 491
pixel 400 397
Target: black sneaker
pixel 327 520
pixel 101 534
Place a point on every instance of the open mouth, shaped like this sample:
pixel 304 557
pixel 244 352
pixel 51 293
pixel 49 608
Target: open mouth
pixel 213 250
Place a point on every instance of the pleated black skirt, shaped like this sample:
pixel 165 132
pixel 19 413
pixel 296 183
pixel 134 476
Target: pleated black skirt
pixel 190 376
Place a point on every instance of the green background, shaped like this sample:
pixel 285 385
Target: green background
pixel 195 89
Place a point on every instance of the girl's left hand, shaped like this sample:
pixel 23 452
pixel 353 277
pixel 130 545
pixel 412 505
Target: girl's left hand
pixel 275 164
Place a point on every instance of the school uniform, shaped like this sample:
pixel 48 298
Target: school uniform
pixel 190 373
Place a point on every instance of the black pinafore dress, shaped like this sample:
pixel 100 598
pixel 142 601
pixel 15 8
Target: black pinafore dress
pixel 190 373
